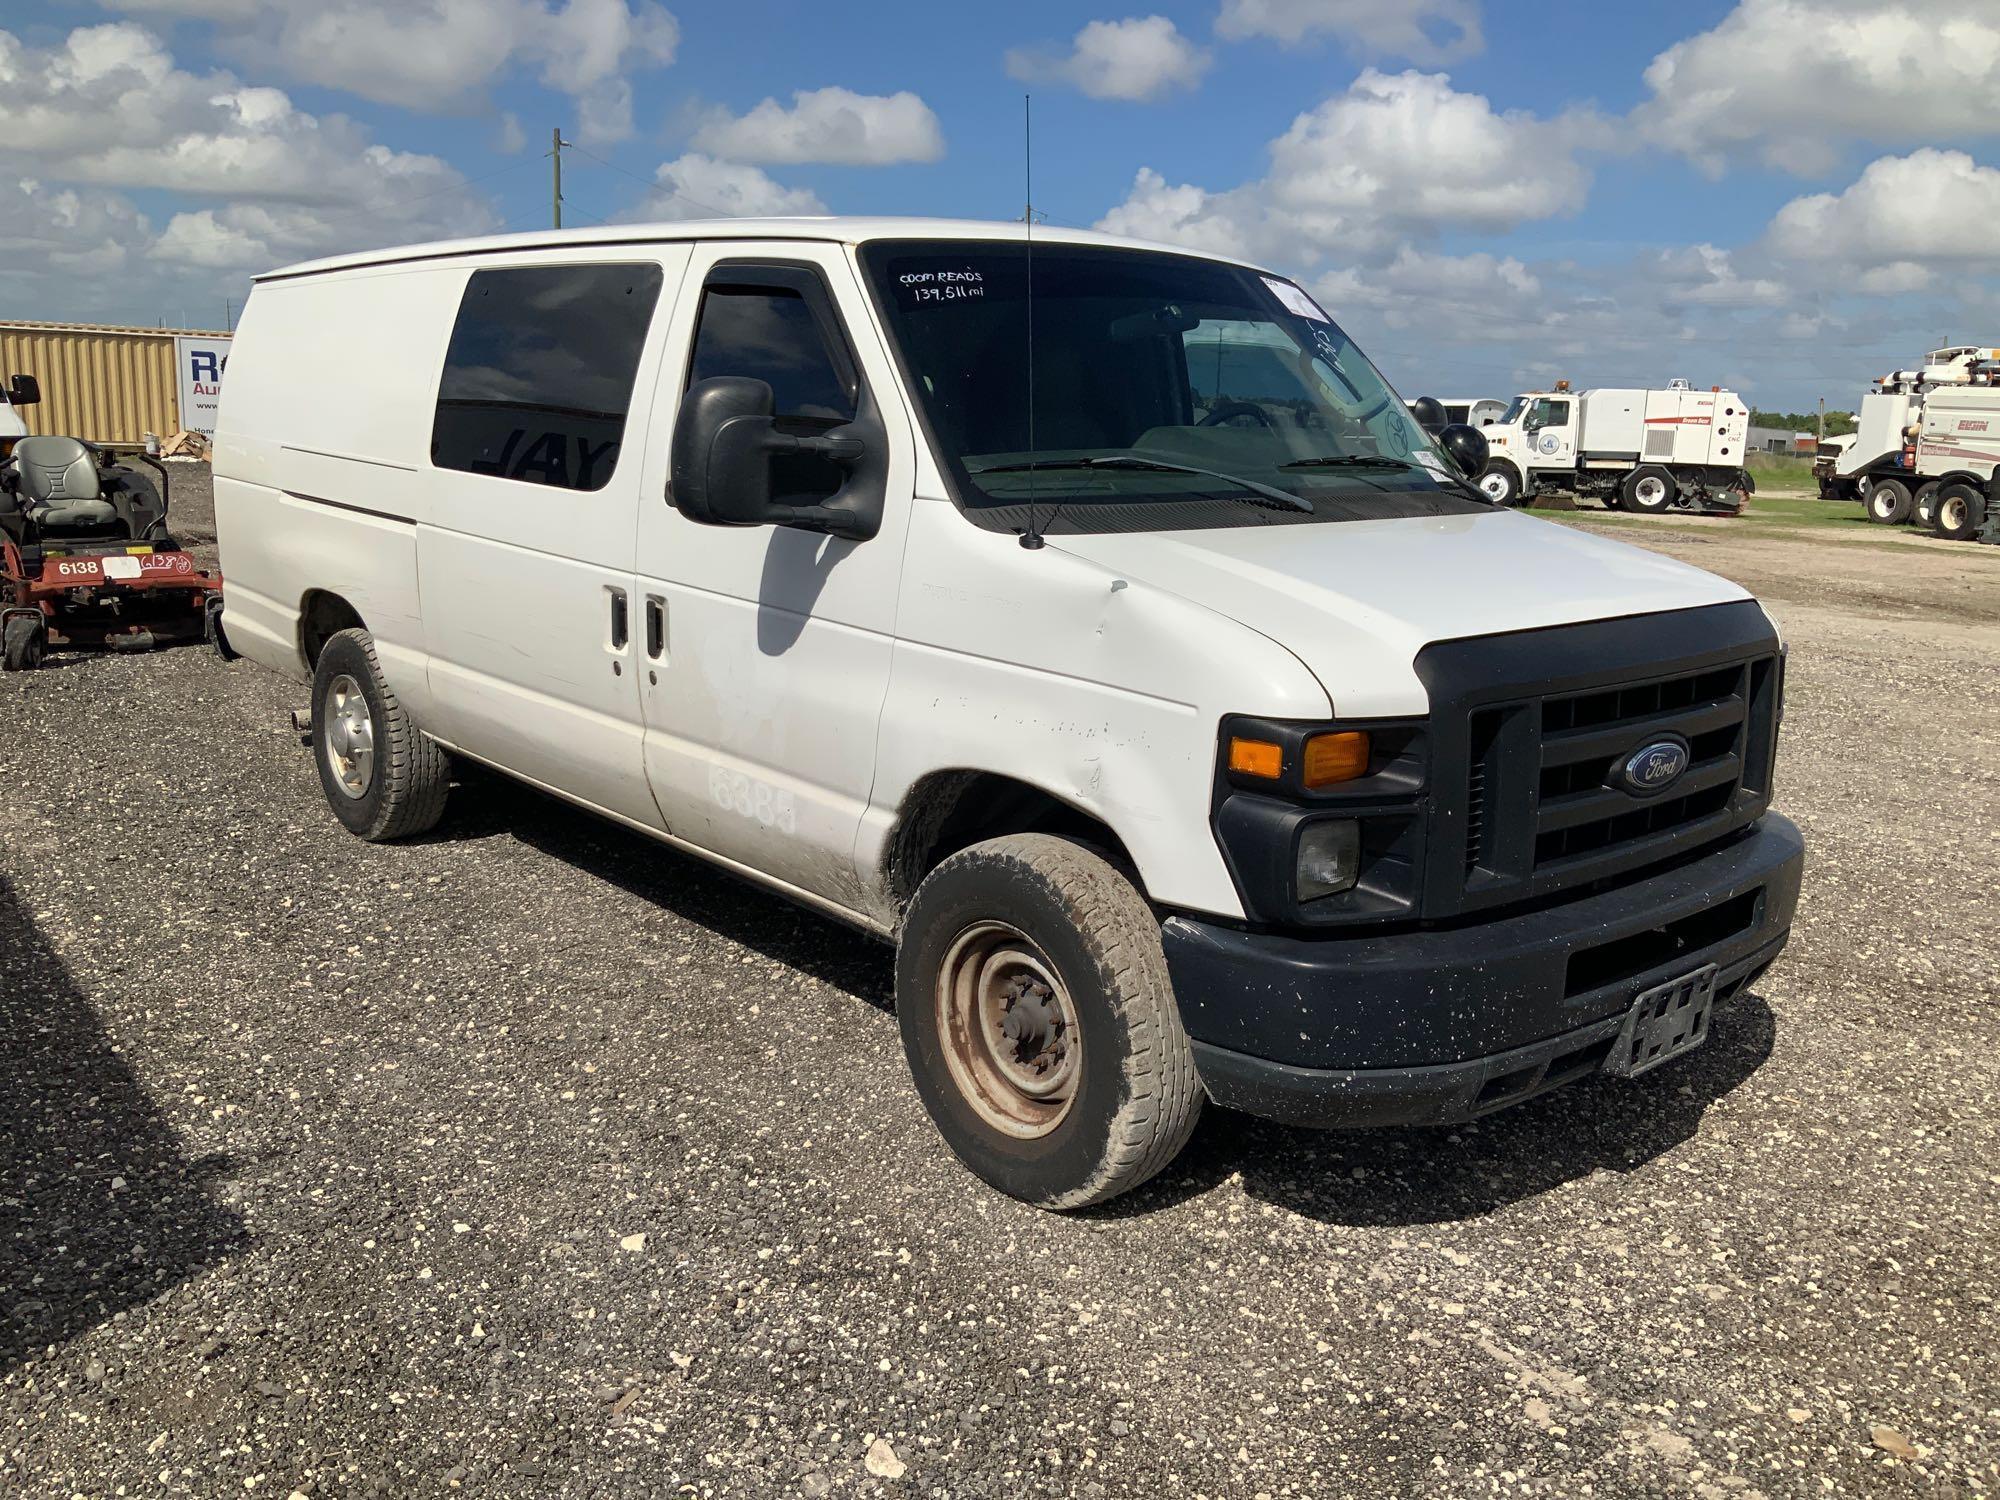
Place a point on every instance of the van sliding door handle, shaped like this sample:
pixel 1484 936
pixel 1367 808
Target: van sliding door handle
pixel 656 626
pixel 621 621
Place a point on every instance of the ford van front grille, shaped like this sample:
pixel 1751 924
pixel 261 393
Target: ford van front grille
pixel 1593 753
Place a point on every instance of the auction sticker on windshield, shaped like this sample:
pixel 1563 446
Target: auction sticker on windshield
pixel 1296 300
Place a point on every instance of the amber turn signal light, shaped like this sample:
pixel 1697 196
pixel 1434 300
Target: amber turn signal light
pixel 1334 758
pixel 1256 757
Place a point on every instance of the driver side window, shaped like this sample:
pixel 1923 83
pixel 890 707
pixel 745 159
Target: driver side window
pixel 772 334
pixel 1548 413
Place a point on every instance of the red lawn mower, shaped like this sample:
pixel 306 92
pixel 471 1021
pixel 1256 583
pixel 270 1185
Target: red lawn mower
pixel 86 559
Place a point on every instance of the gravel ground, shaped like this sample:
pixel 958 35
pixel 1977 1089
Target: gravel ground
pixel 534 1159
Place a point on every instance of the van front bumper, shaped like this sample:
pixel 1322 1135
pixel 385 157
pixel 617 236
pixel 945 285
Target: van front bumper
pixel 1436 1026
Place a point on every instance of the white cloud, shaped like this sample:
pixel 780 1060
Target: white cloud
pixel 1423 31
pixel 1396 155
pixel 1902 220
pixel 1707 276
pixel 700 187
pixel 1791 79
pixel 833 125
pixel 109 107
pixel 1140 58
pixel 440 54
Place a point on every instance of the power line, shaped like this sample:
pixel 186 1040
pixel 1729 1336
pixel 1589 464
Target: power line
pixel 652 184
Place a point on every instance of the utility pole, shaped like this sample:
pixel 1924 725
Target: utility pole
pixel 1822 419
pixel 556 144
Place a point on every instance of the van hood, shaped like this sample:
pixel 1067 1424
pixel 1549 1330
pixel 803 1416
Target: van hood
pixel 1357 600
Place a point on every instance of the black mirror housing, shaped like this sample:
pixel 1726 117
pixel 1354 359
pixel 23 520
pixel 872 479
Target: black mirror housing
pixel 1429 412
pixel 725 437
pixel 24 390
pixel 1465 446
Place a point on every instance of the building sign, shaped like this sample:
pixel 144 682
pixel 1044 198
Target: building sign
pixel 199 361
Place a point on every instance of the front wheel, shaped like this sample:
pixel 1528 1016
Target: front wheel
pixel 1040 1023
pixel 1499 483
pixel 1961 510
pixel 1888 502
pixel 21 644
pixel 383 777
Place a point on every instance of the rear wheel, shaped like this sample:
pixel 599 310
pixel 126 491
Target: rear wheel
pixel 1923 505
pixel 1499 483
pixel 1648 491
pixel 1960 511
pixel 1888 502
pixel 21 644
pixel 384 778
pixel 1040 1023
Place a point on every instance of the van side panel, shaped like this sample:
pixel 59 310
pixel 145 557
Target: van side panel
pixel 320 448
pixel 1070 691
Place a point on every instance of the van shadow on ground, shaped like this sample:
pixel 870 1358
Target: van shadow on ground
pixel 1357 1177
pixel 76 1244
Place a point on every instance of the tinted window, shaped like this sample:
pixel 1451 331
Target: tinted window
pixel 770 334
pixel 539 374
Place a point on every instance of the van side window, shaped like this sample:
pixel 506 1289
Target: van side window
pixel 769 333
pixel 538 377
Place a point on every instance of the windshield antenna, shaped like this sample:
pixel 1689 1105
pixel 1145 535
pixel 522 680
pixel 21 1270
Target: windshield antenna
pixel 1031 537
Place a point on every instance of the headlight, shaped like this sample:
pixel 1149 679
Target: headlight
pixel 1329 859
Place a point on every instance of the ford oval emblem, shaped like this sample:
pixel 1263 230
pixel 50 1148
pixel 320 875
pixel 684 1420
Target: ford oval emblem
pixel 1653 767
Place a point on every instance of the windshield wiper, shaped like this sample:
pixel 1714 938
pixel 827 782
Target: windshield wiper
pixel 1354 461
pixel 1383 461
pixel 1259 494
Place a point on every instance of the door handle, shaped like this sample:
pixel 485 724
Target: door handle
pixel 656 626
pixel 621 622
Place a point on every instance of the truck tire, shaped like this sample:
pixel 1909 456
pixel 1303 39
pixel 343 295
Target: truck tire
pixel 1648 490
pixel 21 644
pixel 1040 1023
pixel 1923 505
pixel 1499 483
pixel 1961 510
pixel 1888 502
pixel 383 777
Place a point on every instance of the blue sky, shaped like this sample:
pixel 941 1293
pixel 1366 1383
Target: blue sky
pixel 1783 195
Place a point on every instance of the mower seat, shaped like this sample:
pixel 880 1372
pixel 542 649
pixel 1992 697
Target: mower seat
pixel 58 486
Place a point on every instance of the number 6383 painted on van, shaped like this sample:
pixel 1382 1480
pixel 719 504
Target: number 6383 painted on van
pixel 1112 640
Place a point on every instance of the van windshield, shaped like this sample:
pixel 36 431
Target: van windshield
pixel 1169 392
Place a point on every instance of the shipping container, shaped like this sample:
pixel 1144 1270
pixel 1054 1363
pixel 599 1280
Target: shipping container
pixel 101 383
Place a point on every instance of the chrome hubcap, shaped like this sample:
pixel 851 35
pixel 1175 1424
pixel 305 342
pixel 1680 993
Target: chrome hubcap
pixel 348 731
pixel 1009 1030
pixel 1493 486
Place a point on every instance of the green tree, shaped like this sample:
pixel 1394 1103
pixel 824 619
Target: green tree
pixel 1838 423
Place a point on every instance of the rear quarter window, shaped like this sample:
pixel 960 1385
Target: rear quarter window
pixel 537 380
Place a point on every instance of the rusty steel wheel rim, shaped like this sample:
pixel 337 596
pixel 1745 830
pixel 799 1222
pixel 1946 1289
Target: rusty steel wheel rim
pixel 1008 1030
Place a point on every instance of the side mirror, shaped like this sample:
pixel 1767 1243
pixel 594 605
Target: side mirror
pixel 1429 412
pixel 1466 447
pixel 24 390
pixel 725 437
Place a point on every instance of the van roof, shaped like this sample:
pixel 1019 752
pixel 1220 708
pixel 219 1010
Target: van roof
pixel 846 231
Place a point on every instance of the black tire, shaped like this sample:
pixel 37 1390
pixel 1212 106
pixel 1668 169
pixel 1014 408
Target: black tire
pixel 1133 1096
pixel 1499 483
pixel 1923 505
pixel 1888 502
pixel 21 644
pixel 1648 490
pixel 1961 511
pixel 213 631
pixel 403 792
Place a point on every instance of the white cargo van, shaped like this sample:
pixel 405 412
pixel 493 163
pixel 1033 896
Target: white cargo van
pixel 1191 729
